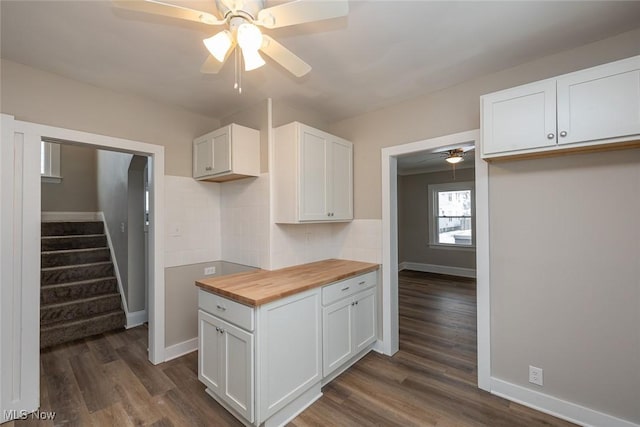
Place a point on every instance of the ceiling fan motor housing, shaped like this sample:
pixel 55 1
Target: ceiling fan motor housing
pixel 247 9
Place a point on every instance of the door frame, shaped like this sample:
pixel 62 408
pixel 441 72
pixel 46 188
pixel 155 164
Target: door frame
pixel 20 235
pixel 390 324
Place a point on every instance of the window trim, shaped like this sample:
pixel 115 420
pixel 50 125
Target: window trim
pixel 51 160
pixel 433 190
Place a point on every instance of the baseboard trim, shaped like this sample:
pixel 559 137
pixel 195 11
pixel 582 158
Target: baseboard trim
pixel 439 269
pixel 557 407
pixel 136 318
pixel 70 216
pixel 180 349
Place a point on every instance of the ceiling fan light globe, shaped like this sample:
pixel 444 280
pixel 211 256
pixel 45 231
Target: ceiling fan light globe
pixel 453 159
pixel 219 45
pixel 249 37
pixel 252 59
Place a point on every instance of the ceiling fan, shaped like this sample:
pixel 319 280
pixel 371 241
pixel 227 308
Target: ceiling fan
pixel 242 19
pixel 454 155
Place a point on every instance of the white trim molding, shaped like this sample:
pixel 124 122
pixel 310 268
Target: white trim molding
pixel 136 318
pixel 389 161
pixel 70 216
pixel 548 404
pixel 177 350
pixel 439 269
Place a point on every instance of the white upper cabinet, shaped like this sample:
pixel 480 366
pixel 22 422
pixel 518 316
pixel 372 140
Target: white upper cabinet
pixel 313 175
pixel 600 103
pixel 588 108
pixel 229 153
pixel 520 118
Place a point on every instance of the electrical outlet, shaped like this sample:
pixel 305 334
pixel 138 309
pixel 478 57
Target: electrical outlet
pixel 209 270
pixel 535 375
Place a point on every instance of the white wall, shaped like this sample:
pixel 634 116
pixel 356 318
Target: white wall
pixel 112 186
pixel 565 277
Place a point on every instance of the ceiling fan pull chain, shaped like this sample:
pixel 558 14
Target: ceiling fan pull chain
pixel 235 72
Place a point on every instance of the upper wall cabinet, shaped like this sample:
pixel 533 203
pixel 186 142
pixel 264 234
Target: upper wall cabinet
pixel 229 153
pixel 313 175
pixel 581 110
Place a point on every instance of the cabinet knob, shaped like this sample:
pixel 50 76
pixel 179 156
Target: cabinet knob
pixel 208 168
pixel 221 330
pixel 563 133
pixel 550 136
pixel 356 302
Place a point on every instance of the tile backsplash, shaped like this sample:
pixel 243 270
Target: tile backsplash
pixel 192 221
pixel 208 221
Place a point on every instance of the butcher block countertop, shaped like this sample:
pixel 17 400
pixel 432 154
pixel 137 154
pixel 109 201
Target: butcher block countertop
pixel 259 287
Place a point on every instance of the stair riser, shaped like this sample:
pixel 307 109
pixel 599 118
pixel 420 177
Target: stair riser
pixel 79 242
pixel 58 294
pixel 67 333
pixel 71 228
pixel 75 274
pixel 79 310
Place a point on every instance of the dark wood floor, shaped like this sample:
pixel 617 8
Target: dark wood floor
pixel 107 381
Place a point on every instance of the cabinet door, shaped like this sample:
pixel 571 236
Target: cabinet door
pixel 600 103
pixel 202 157
pixel 313 175
pixel 364 319
pixel 340 174
pixel 290 350
pixel 209 352
pixel 337 335
pixel 221 151
pixel 521 118
pixel 237 367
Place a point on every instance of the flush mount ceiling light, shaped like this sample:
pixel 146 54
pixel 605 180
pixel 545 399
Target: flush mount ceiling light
pixel 243 18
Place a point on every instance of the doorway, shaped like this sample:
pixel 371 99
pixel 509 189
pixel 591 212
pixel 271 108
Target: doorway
pixel 390 327
pixel 20 236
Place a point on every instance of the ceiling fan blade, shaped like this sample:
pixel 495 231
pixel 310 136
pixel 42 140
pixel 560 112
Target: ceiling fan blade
pixel 211 66
pixel 301 11
pixel 170 10
pixel 284 57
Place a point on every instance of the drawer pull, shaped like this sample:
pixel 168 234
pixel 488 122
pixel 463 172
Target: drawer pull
pixel 219 307
pixel 346 288
pixel 362 283
pixel 208 168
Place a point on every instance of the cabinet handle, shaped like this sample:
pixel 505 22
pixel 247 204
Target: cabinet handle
pixel 563 133
pixel 208 168
pixel 550 136
pixel 362 283
pixel 221 331
pixel 219 307
pixel 356 302
pixel 345 289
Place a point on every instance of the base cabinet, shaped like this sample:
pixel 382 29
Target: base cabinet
pixel 348 327
pixel 226 363
pixel 266 364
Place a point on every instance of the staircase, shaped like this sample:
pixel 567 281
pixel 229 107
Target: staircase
pixel 79 294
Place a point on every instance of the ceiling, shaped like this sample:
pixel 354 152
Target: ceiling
pixel 434 160
pixel 383 53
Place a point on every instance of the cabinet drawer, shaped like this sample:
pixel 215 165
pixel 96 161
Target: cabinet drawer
pixel 226 309
pixel 348 287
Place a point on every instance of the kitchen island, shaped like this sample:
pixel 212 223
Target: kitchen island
pixel 269 340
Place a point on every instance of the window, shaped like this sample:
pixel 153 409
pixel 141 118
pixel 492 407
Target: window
pixel 451 214
pixel 50 162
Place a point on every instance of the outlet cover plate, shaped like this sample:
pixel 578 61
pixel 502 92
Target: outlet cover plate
pixel 535 375
pixel 209 271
